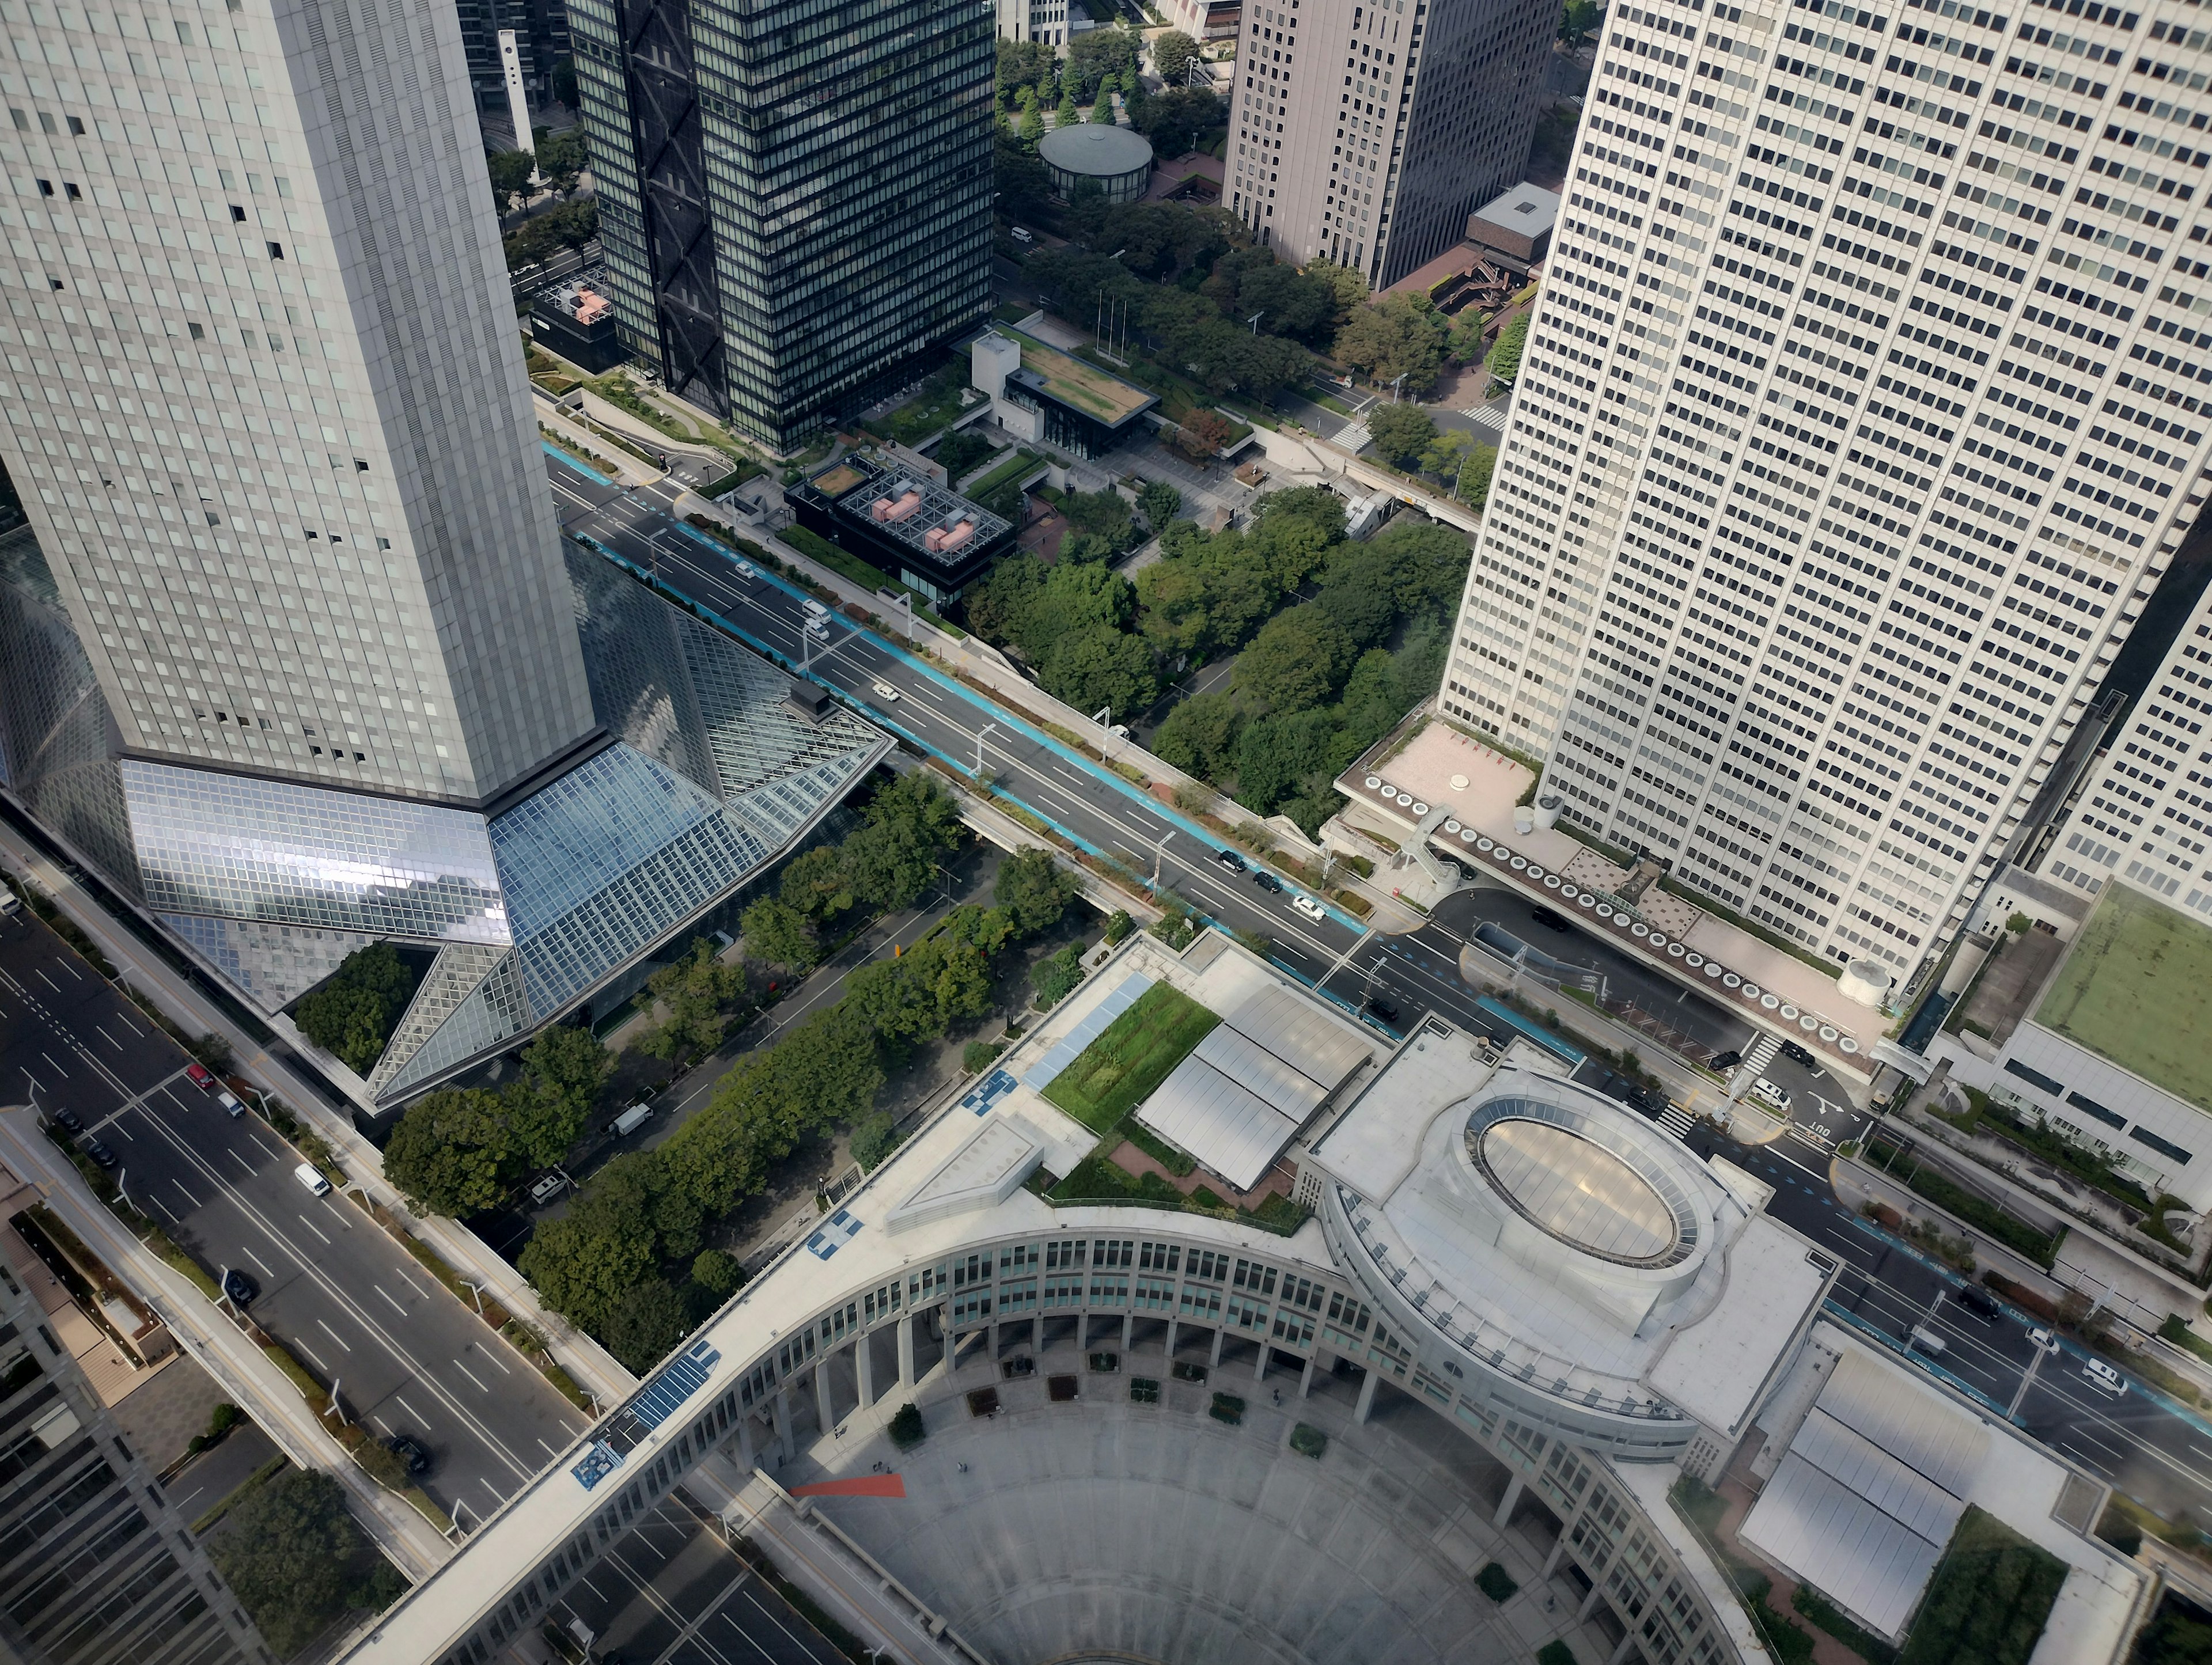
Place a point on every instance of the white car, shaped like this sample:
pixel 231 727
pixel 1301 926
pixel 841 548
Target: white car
pixel 745 569
pixel 1312 909
pixel 818 628
pixel 2043 1340
pixel 311 1177
pixel 813 608
pixel 885 692
pixel 1023 234
pixel 2103 1378
pixel 1769 1093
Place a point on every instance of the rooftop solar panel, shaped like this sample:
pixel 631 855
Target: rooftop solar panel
pixel 1118 1000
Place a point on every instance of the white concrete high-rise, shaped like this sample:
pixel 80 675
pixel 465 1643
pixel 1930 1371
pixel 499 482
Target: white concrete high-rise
pixel 261 390
pixel 1860 419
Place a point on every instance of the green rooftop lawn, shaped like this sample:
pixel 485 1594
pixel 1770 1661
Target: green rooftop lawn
pixel 2132 988
pixel 1119 1070
pixel 1082 385
pixel 1990 1599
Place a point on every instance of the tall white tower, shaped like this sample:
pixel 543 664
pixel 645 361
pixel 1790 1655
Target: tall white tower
pixel 1864 410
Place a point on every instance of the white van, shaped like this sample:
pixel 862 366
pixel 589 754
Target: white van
pixel 1923 1339
pixel 1768 1093
pixel 228 1100
pixel 2103 1377
pixel 312 1176
pixel 814 608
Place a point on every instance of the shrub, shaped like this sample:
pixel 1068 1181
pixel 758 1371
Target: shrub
pixel 1057 977
pixel 979 1055
pixel 1494 1582
pixel 1308 1441
pixel 1226 1407
pixel 1118 926
pixel 906 1428
pixel 875 1138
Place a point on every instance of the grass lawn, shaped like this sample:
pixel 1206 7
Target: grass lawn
pixel 2132 988
pixel 1990 1599
pixel 1119 1070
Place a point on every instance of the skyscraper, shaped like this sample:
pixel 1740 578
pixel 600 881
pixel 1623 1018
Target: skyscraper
pixel 794 202
pixel 295 657
pixel 1858 422
pixel 1367 135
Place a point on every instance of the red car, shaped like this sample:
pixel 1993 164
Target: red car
pixel 199 1076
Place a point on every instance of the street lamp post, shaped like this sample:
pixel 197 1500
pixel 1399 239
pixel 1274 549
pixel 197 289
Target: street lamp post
pixel 1103 716
pixel 987 728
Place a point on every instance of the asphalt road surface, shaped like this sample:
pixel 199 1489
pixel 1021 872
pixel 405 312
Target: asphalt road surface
pixel 2154 1452
pixel 670 1592
pixel 407 1357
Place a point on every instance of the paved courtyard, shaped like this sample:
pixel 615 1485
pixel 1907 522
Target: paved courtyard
pixel 1152 1532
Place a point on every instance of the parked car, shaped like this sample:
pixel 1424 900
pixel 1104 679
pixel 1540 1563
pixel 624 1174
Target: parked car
pixel 198 1075
pixel 68 1121
pixel 1312 909
pixel 312 1176
pixel 1767 1091
pixel 2043 1340
pixel 100 1154
pixel 1267 881
pixel 228 1100
pixel 1724 1062
pixel 1023 234
pixel 547 1186
pixel 1923 1339
pixel 630 1119
pixel 1379 1007
pixel 1230 859
pixel 1797 1054
pixel 240 1288
pixel 813 608
pixel 1549 920
pixel 410 1451
pixel 9 902
pixel 1975 1298
pixel 2103 1378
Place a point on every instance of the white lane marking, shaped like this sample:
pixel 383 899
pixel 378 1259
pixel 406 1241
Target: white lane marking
pixel 59 1070
pixel 263 1143
pixel 394 1305
pixel 493 1359
pixel 105 1036
pixel 310 1352
pixel 334 1335
pixel 497 1495
pixel 259 1261
pixel 400 1399
pixel 130 1023
pixel 241 1161
pixel 313 1227
pixel 189 1198
pixel 471 1376
pixel 35 1083
pixel 548 1449
pixel 39 972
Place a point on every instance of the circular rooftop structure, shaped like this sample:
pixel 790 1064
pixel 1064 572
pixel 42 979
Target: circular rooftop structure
pixel 1578 1192
pixel 1116 160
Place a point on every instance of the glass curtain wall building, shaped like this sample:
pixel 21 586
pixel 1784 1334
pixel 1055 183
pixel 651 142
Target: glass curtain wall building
pixel 1861 417
pixel 794 199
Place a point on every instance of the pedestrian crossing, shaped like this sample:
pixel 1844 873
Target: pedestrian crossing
pixel 1354 438
pixel 1676 1119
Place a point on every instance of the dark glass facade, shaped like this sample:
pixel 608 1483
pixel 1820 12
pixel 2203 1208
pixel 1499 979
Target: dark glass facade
pixel 795 199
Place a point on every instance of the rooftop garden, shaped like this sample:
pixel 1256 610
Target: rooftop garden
pixel 2131 990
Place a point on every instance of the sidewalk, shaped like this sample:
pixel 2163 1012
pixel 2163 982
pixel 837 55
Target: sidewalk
pixel 593 1367
pixel 235 1362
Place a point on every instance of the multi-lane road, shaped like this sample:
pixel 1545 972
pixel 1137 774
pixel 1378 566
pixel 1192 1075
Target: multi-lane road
pixel 2149 1448
pixel 333 1287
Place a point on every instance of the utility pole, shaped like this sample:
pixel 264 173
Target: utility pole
pixel 1103 716
pixel 987 728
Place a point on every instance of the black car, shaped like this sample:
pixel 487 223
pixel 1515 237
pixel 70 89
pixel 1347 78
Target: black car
pixel 100 1154
pixel 240 1288
pixel 410 1451
pixel 1975 1298
pixel 1377 1007
pixel 1797 1054
pixel 1548 919
pixel 1267 881
pixel 1230 860
pixel 1724 1062
pixel 67 1121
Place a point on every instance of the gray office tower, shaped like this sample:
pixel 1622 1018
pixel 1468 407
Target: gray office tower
pixel 291 651
pixel 794 199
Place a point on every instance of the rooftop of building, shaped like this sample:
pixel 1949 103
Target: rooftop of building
pixel 905 504
pixel 1095 150
pixel 1079 385
pixel 1527 211
pixel 2131 990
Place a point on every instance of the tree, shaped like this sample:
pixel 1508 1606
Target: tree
pixel 875 1138
pixel 1023 186
pixel 718 1275
pixel 778 933
pixel 1093 56
pixel 1159 501
pixel 1024 64
pixel 817 884
pixel 350 1014
pixel 1101 665
pixel 1173 120
pixel 453 1153
pixel 562 156
pixel 1056 978
pixel 284 1551
pixel 563 1071
pixel 697 991
pixel 1034 889
pixel 1172 56
pixel 1294 663
pixel 1446 455
pixel 647 1324
pixel 1468 339
pixel 1576 19
pixel 572 225
pixel 1473 488
pixel 1401 432
pixel 1277 755
pixel 1202 433
pixel 1200 736
pixel 510 171
pixel 1512 340
pixel 1102 107
pixel 564 81
pixel 1032 128
pixel 1346 284
pixel 1402 335
pixel 584 1263
pixel 1066 115
pixel 1103 513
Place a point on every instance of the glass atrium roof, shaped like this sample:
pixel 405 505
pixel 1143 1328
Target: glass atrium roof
pixel 1578 1192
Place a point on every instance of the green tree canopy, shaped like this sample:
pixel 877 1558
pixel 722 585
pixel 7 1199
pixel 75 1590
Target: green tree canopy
pixel 1173 120
pixel 562 1073
pixel 1172 54
pixel 510 171
pixel 698 992
pixel 1512 342
pixel 453 1153
pixel 1066 115
pixel 778 933
pixel 285 1551
pixel 562 156
pixel 1159 503
pixel 1294 663
pixel 1101 108
pixel 350 1013
pixel 1035 890
pixel 646 1325
pixel 1094 55
pixel 1401 432
pixel 1401 335
pixel 1024 63
pixel 1099 666
pixel 1576 19
pixel 817 885
pixel 1200 736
